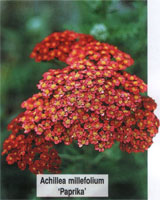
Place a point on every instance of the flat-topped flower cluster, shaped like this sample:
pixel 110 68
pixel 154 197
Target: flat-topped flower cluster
pixel 92 100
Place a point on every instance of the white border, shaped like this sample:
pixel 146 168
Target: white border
pixel 154 92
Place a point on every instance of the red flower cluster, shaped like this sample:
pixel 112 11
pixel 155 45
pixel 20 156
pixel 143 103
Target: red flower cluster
pixel 29 149
pixel 59 45
pixel 92 101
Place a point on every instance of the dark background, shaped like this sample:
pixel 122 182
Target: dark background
pixel 25 23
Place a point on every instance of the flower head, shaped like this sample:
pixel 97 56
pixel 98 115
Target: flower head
pixel 92 100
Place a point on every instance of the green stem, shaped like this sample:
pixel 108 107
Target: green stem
pixel 58 64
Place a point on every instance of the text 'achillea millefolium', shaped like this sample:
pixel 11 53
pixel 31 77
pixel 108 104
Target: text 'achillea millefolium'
pixel 92 101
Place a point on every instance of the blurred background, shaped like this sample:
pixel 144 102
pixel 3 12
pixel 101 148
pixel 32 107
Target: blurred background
pixel 25 23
